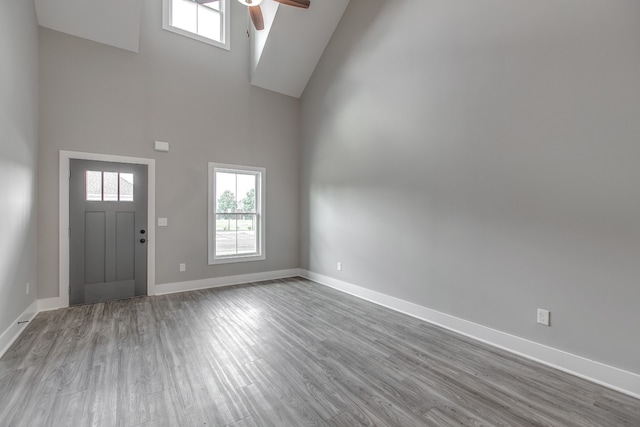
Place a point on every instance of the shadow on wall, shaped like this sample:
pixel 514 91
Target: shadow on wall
pixel 18 235
pixel 341 74
pixel 368 17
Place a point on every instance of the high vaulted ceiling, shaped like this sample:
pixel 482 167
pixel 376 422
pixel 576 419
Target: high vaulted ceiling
pixel 293 44
pixel 112 22
pixel 284 54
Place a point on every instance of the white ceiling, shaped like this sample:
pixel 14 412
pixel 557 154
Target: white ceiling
pixel 112 22
pixel 284 54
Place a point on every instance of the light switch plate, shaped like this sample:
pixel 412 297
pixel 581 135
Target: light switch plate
pixel 162 222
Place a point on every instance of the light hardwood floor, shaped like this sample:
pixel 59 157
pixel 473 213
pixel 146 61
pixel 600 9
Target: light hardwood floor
pixel 278 353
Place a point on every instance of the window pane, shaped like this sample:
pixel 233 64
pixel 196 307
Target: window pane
pixel 184 15
pixel 246 237
pixel 110 186
pixel 126 187
pixel 94 185
pixel 247 243
pixel 236 234
pixel 226 235
pixel 215 5
pixel 209 22
pixel 247 192
pixel 226 200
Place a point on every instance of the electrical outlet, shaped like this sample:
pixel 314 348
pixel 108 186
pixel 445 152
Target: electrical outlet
pixel 27 288
pixel 339 266
pixel 544 317
pixel 183 267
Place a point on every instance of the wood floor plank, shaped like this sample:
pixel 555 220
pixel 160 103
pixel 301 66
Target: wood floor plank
pixel 10 401
pixel 279 353
pixel 247 422
pixel 67 410
pixel 165 409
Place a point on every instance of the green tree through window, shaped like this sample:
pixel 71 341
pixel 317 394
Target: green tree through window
pixel 226 203
pixel 249 202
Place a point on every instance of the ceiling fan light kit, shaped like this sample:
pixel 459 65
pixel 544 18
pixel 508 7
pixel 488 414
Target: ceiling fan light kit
pixel 256 13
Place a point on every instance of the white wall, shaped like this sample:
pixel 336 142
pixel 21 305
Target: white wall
pixel 480 158
pixel 18 150
pixel 97 98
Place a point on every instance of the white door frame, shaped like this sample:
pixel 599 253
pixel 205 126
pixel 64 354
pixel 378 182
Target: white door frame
pixel 65 157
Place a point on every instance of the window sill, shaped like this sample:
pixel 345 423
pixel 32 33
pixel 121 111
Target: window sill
pixel 196 37
pixel 235 259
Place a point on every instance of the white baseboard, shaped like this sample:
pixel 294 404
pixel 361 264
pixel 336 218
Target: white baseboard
pixel 217 282
pixel 13 332
pixel 608 376
pixel 48 304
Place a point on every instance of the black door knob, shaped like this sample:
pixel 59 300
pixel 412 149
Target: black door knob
pixel 142 240
pixel 142 231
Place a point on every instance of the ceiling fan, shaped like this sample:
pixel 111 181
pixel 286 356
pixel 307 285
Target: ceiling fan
pixel 256 13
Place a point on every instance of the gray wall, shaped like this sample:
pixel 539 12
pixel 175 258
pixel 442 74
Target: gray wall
pixel 481 159
pixel 96 98
pixel 18 150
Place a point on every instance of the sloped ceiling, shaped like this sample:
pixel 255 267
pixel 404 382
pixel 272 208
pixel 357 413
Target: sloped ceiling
pixel 112 22
pixel 284 54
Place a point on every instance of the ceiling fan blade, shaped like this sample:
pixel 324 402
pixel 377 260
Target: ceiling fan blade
pixel 204 1
pixel 296 3
pixel 256 17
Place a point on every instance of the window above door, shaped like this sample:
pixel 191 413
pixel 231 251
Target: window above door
pixel 102 186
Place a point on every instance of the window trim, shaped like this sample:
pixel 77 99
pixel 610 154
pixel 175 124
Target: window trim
pixel 225 44
pixel 260 213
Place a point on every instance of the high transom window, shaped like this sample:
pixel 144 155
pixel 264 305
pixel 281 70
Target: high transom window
pixel 236 213
pixel 101 186
pixel 208 22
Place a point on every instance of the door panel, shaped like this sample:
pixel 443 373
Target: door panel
pixel 107 231
pixel 94 247
pixel 101 292
pixel 125 245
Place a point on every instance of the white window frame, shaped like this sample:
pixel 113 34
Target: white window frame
pixel 226 22
pixel 260 212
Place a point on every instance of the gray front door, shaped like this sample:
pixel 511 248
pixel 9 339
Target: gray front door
pixel 107 231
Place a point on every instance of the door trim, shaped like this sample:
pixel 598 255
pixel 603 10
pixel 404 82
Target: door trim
pixel 63 265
